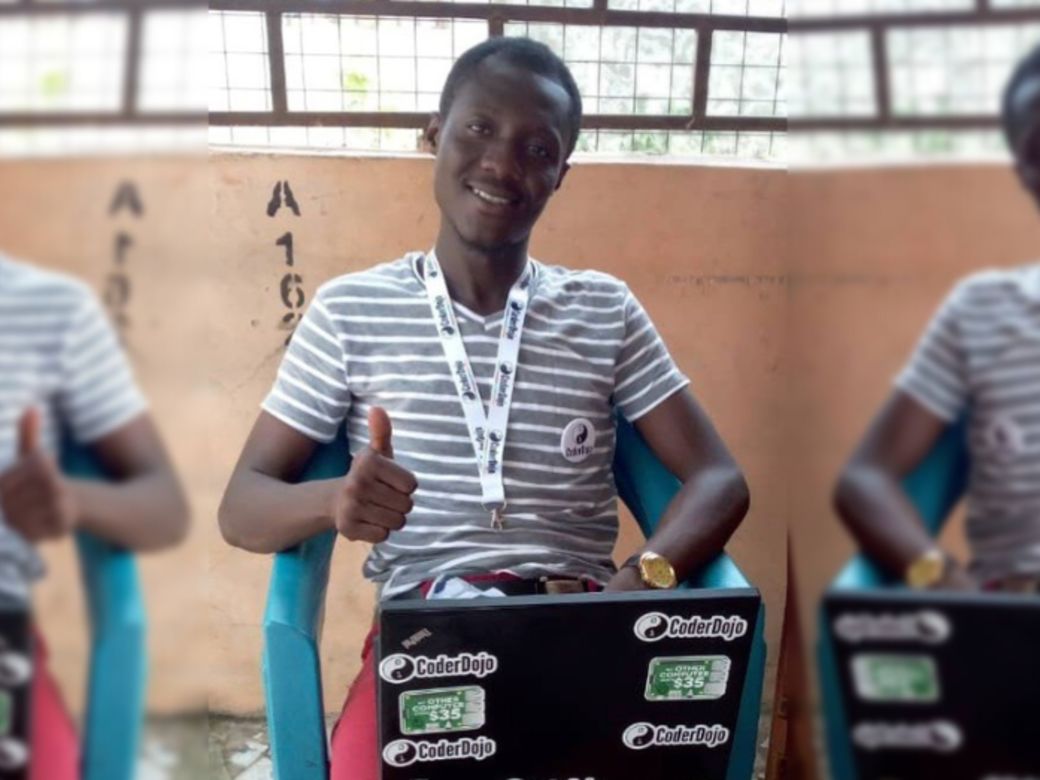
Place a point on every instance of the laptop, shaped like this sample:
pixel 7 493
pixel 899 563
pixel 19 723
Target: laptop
pixel 938 685
pixel 599 686
pixel 16 672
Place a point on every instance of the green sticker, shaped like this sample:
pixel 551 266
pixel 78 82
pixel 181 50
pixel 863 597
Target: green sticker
pixel 687 678
pixel 895 678
pixel 6 712
pixel 442 710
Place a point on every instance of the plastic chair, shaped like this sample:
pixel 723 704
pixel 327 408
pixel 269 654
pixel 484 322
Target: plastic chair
pixel 292 620
pixel 117 678
pixel 935 487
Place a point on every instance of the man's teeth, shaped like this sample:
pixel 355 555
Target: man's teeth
pixel 490 198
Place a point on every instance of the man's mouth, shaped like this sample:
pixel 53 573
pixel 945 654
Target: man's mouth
pixel 490 197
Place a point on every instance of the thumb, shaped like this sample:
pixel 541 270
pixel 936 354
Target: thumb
pixel 29 432
pixel 379 431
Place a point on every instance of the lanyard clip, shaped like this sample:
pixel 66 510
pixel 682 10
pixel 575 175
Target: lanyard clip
pixel 498 510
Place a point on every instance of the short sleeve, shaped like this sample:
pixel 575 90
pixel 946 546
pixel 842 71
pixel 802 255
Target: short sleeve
pixel 936 375
pixel 645 374
pixel 310 393
pixel 97 393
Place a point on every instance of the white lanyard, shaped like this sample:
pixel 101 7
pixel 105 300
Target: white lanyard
pixel 487 431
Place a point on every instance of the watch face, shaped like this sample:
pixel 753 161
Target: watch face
pixel 925 572
pixel 657 572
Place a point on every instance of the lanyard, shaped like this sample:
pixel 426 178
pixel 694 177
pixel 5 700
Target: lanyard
pixel 487 432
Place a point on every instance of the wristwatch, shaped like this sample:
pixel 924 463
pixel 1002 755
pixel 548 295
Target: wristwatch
pixel 926 570
pixel 654 569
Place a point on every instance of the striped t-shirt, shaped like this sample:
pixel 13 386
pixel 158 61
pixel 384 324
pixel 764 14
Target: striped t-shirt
pixel 981 356
pixel 58 353
pixel 588 349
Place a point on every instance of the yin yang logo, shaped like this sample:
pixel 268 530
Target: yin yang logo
pixel 15 669
pixel 400 752
pixel 397 668
pixel 638 736
pixel 651 627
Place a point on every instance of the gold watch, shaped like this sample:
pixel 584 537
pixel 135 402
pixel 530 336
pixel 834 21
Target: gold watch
pixel 654 569
pixel 926 570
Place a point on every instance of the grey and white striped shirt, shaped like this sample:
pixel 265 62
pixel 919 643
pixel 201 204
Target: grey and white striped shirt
pixel 588 349
pixel 981 356
pixel 58 353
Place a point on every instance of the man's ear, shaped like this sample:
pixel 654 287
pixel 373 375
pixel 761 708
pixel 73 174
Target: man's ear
pixel 432 133
pixel 563 172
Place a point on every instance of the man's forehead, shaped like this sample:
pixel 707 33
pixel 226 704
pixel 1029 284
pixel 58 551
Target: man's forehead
pixel 501 84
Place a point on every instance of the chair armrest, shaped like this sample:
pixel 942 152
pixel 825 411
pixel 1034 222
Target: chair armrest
pixel 117 678
pixel 292 661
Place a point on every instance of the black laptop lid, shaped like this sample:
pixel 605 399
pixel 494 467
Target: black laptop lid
pixel 606 686
pixel 939 685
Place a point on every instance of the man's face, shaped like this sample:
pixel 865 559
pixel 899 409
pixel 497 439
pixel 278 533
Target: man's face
pixel 500 153
pixel 1025 118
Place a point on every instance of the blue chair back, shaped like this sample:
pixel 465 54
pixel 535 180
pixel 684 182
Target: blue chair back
pixel 117 678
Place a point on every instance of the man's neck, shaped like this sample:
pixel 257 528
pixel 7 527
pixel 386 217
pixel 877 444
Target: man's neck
pixel 479 279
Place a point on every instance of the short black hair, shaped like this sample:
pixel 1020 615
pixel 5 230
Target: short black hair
pixel 1027 68
pixel 524 52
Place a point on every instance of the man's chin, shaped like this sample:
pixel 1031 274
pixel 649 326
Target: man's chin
pixel 489 243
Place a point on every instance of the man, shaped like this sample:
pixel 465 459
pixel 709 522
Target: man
pixel 980 357
pixel 501 376
pixel 61 368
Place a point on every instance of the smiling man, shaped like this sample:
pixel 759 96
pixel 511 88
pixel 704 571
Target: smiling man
pixel 502 377
pixel 980 356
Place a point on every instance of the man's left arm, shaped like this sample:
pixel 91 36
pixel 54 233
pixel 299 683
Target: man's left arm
pixel 714 496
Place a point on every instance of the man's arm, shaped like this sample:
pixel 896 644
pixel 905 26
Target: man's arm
pixel 141 508
pixel 869 496
pixel 714 496
pixel 264 511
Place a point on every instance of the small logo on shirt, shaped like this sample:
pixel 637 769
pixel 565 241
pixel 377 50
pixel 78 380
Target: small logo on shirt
pixel 1003 439
pixel 578 440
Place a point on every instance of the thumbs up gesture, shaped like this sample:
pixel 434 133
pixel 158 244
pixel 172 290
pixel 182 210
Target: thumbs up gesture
pixel 376 494
pixel 34 496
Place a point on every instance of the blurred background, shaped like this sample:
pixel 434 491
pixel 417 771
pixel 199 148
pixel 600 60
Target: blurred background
pixel 102 141
pixel 900 184
pixel 791 298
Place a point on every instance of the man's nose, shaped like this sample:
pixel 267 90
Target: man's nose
pixel 499 159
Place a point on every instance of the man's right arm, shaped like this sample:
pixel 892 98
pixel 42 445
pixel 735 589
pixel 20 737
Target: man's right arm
pixel 869 495
pixel 264 510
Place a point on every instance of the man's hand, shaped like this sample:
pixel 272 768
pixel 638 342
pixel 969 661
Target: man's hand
pixel 627 578
pixel 36 499
pixel 376 494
